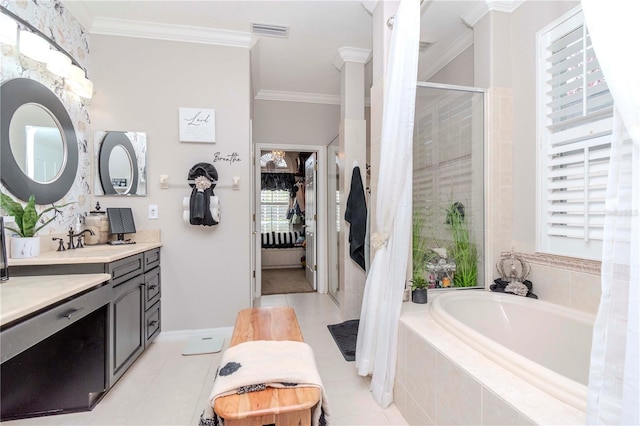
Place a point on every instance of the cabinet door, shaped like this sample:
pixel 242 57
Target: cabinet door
pixel 128 325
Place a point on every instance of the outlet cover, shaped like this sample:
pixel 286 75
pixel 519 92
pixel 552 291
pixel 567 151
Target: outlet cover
pixel 153 211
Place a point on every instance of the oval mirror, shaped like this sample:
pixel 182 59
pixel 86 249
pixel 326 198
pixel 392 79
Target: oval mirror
pixel 120 169
pixel 37 144
pixel 121 163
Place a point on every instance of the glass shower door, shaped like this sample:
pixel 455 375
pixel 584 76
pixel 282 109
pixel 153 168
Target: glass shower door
pixel 448 186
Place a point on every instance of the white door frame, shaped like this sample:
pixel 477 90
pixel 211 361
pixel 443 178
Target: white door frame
pixel 321 200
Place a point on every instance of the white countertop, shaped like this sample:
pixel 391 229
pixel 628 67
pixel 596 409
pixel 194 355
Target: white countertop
pixel 21 296
pixel 102 253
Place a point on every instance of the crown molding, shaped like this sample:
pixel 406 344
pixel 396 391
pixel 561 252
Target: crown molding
pixel 351 54
pixel 471 17
pixel 309 98
pixel 369 5
pixel 507 6
pixel 182 33
pixel 445 54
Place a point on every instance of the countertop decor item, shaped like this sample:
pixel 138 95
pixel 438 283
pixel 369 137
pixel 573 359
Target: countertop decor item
pixel 27 219
pixel 28 222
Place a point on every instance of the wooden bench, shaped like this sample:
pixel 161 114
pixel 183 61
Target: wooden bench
pixel 282 407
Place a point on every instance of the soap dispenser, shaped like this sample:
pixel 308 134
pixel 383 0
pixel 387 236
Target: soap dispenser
pixel 98 222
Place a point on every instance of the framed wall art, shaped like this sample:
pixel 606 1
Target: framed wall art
pixel 197 125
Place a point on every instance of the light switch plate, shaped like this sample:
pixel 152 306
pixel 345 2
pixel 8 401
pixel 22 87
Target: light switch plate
pixel 153 211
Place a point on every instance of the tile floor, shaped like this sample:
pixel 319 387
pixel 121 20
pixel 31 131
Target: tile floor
pixel 165 388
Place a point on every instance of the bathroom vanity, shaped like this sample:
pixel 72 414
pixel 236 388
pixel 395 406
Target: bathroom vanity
pixel 73 322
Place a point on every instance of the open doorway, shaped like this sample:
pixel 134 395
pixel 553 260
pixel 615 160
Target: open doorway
pixel 286 221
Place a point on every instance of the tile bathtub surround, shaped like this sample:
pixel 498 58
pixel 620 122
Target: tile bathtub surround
pixel 570 282
pixel 165 388
pixel 467 388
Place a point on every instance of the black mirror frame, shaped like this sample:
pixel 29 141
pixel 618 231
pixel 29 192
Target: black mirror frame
pixel 13 94
pixel 110 141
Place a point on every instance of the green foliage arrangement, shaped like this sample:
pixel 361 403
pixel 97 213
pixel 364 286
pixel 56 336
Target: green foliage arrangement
pixel 27 218
pixel 421 254
pixel 463 251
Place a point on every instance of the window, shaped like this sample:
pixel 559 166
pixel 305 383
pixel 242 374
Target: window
pixel 574 120
pixel 274 206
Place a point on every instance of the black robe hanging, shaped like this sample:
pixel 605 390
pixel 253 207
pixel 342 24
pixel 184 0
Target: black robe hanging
pixel 356 215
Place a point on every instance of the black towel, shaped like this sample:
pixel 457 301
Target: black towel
pixel 200 207
pixel 356 215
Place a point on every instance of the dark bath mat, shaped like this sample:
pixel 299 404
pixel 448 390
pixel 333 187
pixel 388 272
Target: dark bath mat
pixel 345 335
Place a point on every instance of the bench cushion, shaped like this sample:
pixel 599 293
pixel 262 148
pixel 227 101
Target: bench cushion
pixel 279 239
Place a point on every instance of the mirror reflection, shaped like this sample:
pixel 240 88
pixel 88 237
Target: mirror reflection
pixel 37 143
pixel 120 169
pixel 120 158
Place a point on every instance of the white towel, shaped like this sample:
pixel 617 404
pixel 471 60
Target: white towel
pixel 278 364
pixel 214 207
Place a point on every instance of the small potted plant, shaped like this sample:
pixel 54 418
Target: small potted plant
pixel 25 243
pixel 421 256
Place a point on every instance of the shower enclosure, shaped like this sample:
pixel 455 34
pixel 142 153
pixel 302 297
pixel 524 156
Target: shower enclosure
pixel 448 186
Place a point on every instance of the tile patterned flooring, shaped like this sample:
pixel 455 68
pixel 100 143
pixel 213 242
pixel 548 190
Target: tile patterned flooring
pixel 165 388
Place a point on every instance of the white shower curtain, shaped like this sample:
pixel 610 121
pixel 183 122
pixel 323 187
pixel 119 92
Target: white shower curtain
pixel 613 396
pixel 376 347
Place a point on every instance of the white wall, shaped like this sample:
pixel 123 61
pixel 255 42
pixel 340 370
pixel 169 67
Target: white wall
pixel 295 123
pixel 139 86
pixel 459 71
pixel 527 20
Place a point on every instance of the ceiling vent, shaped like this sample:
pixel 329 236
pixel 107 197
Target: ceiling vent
pixel 424 45
pixel 270 30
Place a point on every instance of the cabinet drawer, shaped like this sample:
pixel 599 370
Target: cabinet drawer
pixel 152 287
pixel 22 336
pixel 152 321
pixel 123 269
pixel 151 259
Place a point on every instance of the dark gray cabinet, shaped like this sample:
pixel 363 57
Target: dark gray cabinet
pixel 127 313
pixel 134 308
pixel 56 360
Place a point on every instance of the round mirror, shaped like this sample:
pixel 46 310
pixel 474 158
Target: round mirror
pixel 117 165
pixel 120 169
pixel 37 144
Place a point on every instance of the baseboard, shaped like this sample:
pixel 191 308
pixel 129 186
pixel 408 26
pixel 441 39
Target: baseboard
pixel 185 335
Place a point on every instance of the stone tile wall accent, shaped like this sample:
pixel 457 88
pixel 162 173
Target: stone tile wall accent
pixel 53 19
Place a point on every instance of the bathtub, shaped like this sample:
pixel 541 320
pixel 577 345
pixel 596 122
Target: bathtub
pixel 546 344
pixel 492 358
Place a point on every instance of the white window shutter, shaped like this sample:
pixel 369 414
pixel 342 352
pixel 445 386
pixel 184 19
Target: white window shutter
pixel 575 134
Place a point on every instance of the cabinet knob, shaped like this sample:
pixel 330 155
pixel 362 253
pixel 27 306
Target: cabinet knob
pixel 152 323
